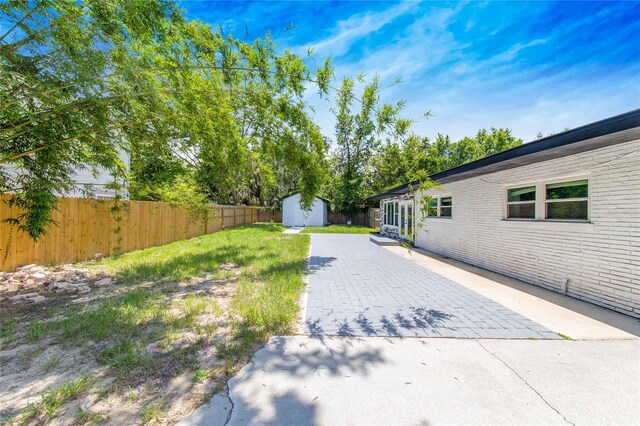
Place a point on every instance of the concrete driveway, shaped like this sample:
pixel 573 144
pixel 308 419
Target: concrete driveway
pixel 356 365
pixel 357 288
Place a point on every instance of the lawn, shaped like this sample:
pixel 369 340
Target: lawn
pixel 339 229
pixel 180 320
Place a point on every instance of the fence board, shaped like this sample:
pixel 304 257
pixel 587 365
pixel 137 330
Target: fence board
pixel 269 215
pixel 88 226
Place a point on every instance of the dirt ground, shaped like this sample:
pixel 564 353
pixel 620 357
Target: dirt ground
pixel 31 368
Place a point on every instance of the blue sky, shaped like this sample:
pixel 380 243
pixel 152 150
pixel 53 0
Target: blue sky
pixel 540 66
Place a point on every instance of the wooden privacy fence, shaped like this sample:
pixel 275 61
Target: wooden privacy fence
pixel 89 226
pixel 268 215
pixel 374 217
pixel 360 218
pixel 371 217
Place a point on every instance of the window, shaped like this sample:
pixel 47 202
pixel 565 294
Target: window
pixel 567 200
pixel 433 207
pixel 440 207
pixel 391 214
pixel 445 207
pixel 395 216
pixel 387 214
pixel 521 203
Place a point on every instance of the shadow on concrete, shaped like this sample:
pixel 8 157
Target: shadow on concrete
pixel 288 409
pixel 420 322
pixel 607 316
pixel 273 407
pixel 320 262
pixel 335 362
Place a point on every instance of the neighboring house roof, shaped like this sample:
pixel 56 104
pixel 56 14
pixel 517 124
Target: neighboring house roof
pixel 297 192
pixel 611 131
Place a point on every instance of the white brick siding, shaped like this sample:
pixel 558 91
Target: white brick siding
pixel 601 259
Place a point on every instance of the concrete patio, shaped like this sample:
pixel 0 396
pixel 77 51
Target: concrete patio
pixel 380 381
pixel 366 356
pixel 357 288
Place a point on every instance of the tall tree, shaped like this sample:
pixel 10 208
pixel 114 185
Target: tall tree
pixel 82 81
pixel 417 157
pixel 362 123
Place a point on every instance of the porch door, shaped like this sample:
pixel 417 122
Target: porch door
pixel 405 227
pixel 406 220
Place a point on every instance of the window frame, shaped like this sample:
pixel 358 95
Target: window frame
pixel 566 200
pixel 396 213
pixel 541 198
pixel 510 203
pixel 390 217
pixel 439 206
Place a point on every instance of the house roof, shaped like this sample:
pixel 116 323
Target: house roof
pixel 297 192
pixel 614 130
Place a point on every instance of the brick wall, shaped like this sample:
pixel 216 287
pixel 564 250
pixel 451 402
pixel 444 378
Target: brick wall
pixel 601 259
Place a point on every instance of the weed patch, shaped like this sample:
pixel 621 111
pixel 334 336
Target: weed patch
pixel 200 376
pixel 51 400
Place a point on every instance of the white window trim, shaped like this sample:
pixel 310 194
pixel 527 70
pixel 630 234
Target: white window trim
pixel 565 200
pixel 541 198
pixel 506 203
pixel 389 220
pixel 438 199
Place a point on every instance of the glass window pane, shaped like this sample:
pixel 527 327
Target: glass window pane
pixel 433 207
pixel 395 214
pixel 575 189
pixel 527 210
pixel 445 212
pixel 522 194
pixel 445 201
pixel 568 210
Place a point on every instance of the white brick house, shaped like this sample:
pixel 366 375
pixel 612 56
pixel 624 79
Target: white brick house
pixel 562 212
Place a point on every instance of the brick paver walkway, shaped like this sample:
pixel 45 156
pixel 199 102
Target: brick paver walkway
pixel 358 288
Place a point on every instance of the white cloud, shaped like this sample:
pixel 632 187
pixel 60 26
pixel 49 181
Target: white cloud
pixel 467 92
pixel 357 26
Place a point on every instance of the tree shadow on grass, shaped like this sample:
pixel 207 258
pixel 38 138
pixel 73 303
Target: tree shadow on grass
pixel 179 267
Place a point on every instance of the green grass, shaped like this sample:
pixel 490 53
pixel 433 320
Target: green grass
pixel 152 412
pixel 271 267
pixel 89 417
pixel 564 336
pixel 339 229
pixel 200 375
pixel 52 362
pixel 52 399
pixel 7 331
pixel 150 327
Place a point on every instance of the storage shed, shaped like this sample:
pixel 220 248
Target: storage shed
pixel 293 215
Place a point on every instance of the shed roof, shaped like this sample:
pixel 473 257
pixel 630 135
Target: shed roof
pixel 297 192
pixel 614 130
